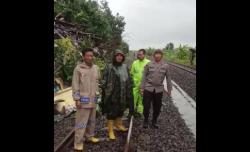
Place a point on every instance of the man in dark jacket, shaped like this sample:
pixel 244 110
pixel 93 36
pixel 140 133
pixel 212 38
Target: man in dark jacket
pixel 117 93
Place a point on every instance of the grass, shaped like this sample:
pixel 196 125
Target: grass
pixel 172 57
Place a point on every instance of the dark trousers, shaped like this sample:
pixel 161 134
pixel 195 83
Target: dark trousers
pixel 113 115
pixel 156 99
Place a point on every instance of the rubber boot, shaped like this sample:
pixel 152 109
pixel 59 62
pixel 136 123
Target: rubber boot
pixel 119 125
pixel 110 125
pixel 78 150
pixel 93 140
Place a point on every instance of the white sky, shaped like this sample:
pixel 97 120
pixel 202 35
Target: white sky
pixel 154 23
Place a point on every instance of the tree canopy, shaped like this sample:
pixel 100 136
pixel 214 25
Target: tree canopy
pixel 85 23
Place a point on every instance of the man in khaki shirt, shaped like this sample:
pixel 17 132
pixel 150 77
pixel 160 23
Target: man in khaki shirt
pixel 84 87
pixel 152 87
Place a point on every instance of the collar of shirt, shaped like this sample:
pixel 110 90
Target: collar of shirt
pixel 154 62
pixel 142 60
pixel 85 66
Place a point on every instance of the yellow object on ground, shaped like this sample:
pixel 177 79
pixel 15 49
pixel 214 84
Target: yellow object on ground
pixel 119 125
pixel 110 125
pixel 63 100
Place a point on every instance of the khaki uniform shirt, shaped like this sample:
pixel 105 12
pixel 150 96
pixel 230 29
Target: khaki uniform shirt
pixel 85 84
pixel 153 76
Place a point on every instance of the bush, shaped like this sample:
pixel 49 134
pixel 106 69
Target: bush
pixel 100 63
pixel 150 51
pixel 65 55
pixel 182 54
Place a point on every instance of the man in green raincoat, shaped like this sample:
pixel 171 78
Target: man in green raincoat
pixel 116 93
pixel 136 72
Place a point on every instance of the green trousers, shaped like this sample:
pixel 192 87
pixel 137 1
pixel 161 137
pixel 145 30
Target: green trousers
pixel 138 106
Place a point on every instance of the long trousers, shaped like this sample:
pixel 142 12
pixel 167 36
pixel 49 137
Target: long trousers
pixel 137 100
pixel 85 126
pixel 156 100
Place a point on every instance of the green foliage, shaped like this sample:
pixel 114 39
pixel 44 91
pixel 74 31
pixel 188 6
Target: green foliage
pixel 150 51
pixel 181 55
pixel 100 63
pixel 124 47
pixel 96 18
pixel 65 55
pixel 86 43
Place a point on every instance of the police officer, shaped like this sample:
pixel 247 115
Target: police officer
pixel 152 87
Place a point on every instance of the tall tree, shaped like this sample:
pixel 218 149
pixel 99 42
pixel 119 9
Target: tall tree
pixel 124 47
pixel 169 46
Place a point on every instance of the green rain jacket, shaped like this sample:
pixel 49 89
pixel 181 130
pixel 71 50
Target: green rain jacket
pixel 136 71
pixel 116 89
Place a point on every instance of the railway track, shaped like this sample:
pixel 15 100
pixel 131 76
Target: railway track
pixel 192 71
pixel 67 142
pixel 182 67
pixel 185 77
pixel 173 134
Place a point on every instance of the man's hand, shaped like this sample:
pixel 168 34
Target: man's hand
pixel 78 104
pixel 141 91
pixel 168 93
pixel 131 113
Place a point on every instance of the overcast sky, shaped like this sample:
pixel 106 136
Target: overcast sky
pixel 154 23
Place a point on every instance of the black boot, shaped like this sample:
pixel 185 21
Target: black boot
pixel 145 124
pixel 154 124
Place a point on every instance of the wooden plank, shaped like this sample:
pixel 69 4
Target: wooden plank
pixel 62 91
pixel 60 82
pixel 126 149
pixel 65 95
